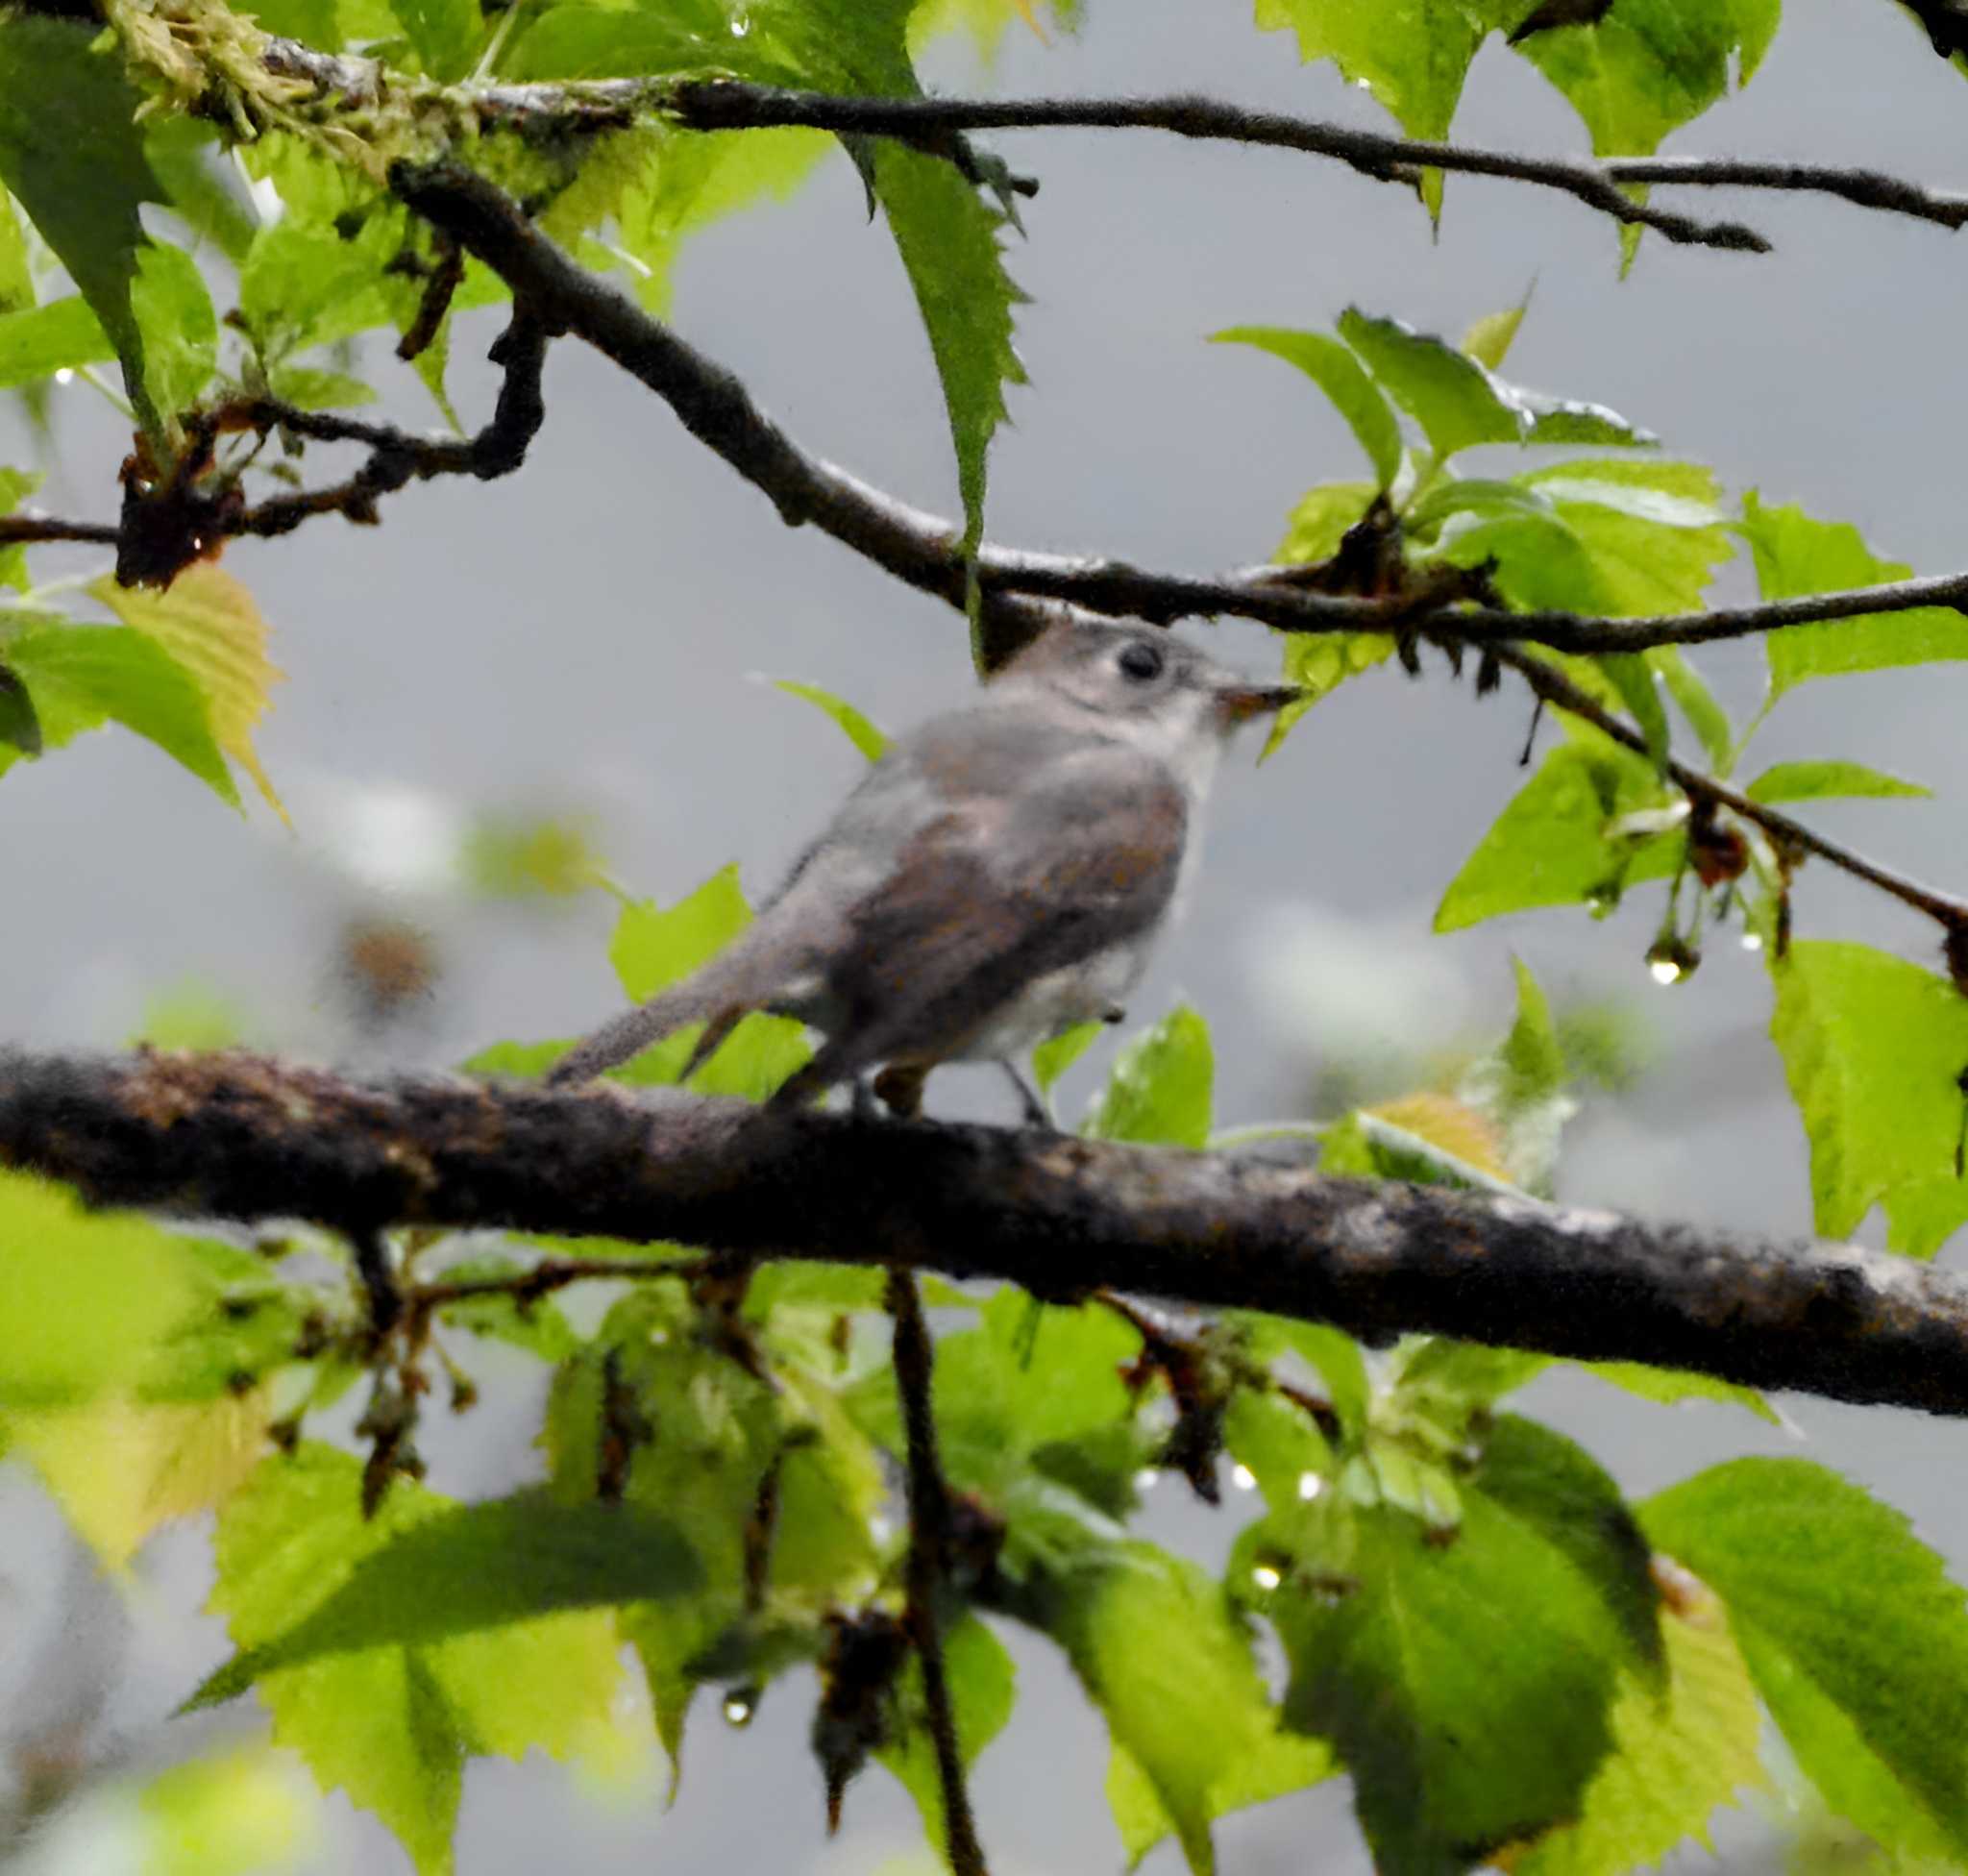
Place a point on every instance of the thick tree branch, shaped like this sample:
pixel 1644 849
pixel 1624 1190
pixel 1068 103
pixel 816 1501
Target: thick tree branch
pixel 243 1137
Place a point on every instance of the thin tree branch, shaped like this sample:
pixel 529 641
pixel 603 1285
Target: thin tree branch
pixel 244 1137
pixel 924 550
pixel 1552 686
pixel 928 1563
pixel 934 124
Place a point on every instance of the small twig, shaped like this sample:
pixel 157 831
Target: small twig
pixel 929 1502
pixel 385 1297
pixel 529 1285
pixel 26 529
pixel 1552 686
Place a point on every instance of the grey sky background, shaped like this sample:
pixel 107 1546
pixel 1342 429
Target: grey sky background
pixel 580 637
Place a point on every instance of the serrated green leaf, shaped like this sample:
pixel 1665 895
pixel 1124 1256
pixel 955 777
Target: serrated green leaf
pixel 1575 421
pixel 1444 390
pixel 1552 844
pixel 1697 704
pixel 80 676
pixel 1331 1353
pixel 580 40
pixel 872 743
pixel 1276 1767
pixel 212 627
pixel 314 22
pixel 1316 526
pixel 309 389
pixel 17 277
pixel 1052 1057
pixel 1674 1762
pixel 949 240
pixel 446 34
pixel 1633 676
pixel 473 1629
pixel 1467 1684
pixel 1489 339
pixel 539 1327
pixel 1468 1373
pixel 1856 1640
pixel 41 340
pixel 1648 66
pixel 654 947
pixel 1279 1442
pixel 1338 374
pixel 181 332
pixel 86 1297
pixel 1812 782
pixel 186 156
pixel 1171 1667
pixel 20 729
pixel 1872 1048
pixel 1796 555
pixel 1159 1090
pixel 983 1689
pixel 72 152
pixel 1413 55
pixel 1669 1386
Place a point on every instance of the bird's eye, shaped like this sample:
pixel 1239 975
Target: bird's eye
pixel 1140 662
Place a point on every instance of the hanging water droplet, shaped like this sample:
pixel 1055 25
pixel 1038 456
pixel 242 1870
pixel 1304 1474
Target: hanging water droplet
pixel 740 1704
pixel 1242 1477
pixel 1664 970
pixel 1310 1486
pixel 66 375
pixel 1266 1577
pixel 1752 941
pixel 740 27
pixel 1145 1478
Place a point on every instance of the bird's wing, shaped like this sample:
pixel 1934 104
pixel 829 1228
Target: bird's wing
pixel 1002 887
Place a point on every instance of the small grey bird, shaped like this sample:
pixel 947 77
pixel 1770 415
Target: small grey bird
pixel 999 875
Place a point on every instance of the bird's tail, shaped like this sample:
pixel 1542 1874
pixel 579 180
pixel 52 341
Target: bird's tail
pixel 716 996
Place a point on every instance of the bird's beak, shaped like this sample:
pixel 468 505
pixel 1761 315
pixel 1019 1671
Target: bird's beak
pixel 1240 702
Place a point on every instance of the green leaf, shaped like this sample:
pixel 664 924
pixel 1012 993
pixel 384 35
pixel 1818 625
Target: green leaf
pixel 80 675
pixel 1671 1386
pixel 1279 1444
pixel 872 743
pixel 17 277
pixel 41 340
pixel 181 332
pixel 1697 704
pixel 982 1683
pixel 1872 1048
pixel 457 1571
pixel 538 1326
pixel 1797 554
pixel 16 486
pixel 1674 1762
pixel 949 240
pixel 1489 340
pixel 1522 1090
pixel 1171 1667
pixel 1444 390
pixel 1314 530
pixel 1159 1089
pixel 1858 1640
pixel 186 157
pixel 1338 373
pixel 1812 782
pixel 72 152
pixel 20 729
pixel 1051 1058
pixel 466 1629
pixel 446 34
pixel 1413 55
pixel 1332 1354
pixel 309 389
pixel 1648 66
pixel 1467 1684
pixel 63 1341
pixel 655 947
pixel 1552 845
pixel 1633 676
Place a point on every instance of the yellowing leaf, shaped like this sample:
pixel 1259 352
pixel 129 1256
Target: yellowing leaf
pixel 119 1468
pixel 208 621
pixel 1452 1124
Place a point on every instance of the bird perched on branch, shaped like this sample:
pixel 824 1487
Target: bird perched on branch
pixel 999 875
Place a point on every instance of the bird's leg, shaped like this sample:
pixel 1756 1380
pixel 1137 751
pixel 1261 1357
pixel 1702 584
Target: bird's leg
pixel 900 1087
pixel 1037 1113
